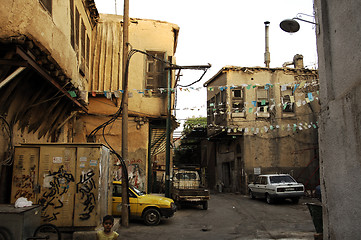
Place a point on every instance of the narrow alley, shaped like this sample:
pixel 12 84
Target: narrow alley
pixel 231 216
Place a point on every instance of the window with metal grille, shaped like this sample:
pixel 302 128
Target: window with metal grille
pixel 262 99
pixel 48 5
pixel 155 73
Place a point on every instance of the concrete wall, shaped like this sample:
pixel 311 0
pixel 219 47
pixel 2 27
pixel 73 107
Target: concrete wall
pixel 339 52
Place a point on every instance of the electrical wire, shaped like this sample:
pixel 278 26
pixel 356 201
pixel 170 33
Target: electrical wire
pixel 91 136
pixel 204 73
pixel 10 149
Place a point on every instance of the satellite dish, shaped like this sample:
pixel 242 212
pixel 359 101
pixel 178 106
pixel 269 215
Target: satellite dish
pixel 290 25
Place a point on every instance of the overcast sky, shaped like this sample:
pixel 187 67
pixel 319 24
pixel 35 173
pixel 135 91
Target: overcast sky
pixel 228 32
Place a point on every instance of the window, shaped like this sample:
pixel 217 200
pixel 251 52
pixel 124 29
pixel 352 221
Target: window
pixel 72 31
pixel 82 39
pixel 155 73
pixel 223 97
pixel 186 176
pixel 218 100
pixel 287 103
pixel 117 190
pixel 282 179
pixel 210 111
pixel 48 5
pixel 219 115
pixel 87 50
pixel 262 99
pixel 263 180
pixel 77 19
pixel 237 99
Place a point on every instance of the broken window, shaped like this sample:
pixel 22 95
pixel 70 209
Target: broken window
pixel 262 99
pixel 237 99
pixel 48 5
pixel 155 73
pixel 287 100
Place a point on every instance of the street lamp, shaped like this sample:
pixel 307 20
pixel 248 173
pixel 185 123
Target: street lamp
pixel 291 25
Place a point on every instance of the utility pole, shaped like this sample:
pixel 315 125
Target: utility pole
pixel 169 120
pixel 125 197
pixel 168 123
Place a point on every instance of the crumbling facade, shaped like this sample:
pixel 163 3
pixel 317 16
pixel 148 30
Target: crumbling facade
pixel 61 77
pixel 44 54
pixel 262 120
pixel 148 81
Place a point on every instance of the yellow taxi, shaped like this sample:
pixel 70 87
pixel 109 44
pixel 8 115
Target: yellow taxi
pixel 148 207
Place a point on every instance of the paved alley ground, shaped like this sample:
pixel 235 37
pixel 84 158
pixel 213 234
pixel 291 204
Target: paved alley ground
pixel 230 216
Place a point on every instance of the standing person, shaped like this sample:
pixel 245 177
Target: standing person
pixel 107 233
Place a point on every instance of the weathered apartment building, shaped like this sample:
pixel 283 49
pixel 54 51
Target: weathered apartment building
pixel 147 91
pixel 262 120
pixel 44 48
pixel 61 78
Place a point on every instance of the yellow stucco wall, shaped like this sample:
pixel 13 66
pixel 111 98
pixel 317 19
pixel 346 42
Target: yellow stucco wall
pixel 145 35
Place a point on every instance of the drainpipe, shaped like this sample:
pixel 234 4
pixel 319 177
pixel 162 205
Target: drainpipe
pixel 267 55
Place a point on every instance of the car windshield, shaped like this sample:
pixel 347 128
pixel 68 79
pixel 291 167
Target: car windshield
pixel 281 179
pixel 137 191
pixel 186 176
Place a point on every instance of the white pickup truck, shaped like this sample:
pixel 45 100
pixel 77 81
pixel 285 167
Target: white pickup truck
pixel 187 188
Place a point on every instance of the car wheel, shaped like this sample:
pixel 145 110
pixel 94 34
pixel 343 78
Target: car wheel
pixel 151 217
pixel 269 200
pixel 205 205
pixel 251 194
pixel 295 200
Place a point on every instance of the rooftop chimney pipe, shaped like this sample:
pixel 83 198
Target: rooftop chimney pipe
pixel 267 55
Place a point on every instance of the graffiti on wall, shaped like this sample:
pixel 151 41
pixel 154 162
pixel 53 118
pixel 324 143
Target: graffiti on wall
pixel 25 184
pixel 136 174
pixel 85 187
pixel 51 200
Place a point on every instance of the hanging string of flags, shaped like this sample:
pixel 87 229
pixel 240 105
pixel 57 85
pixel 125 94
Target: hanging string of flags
pixel 150 92
pixel 266 128
pixel 252 107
